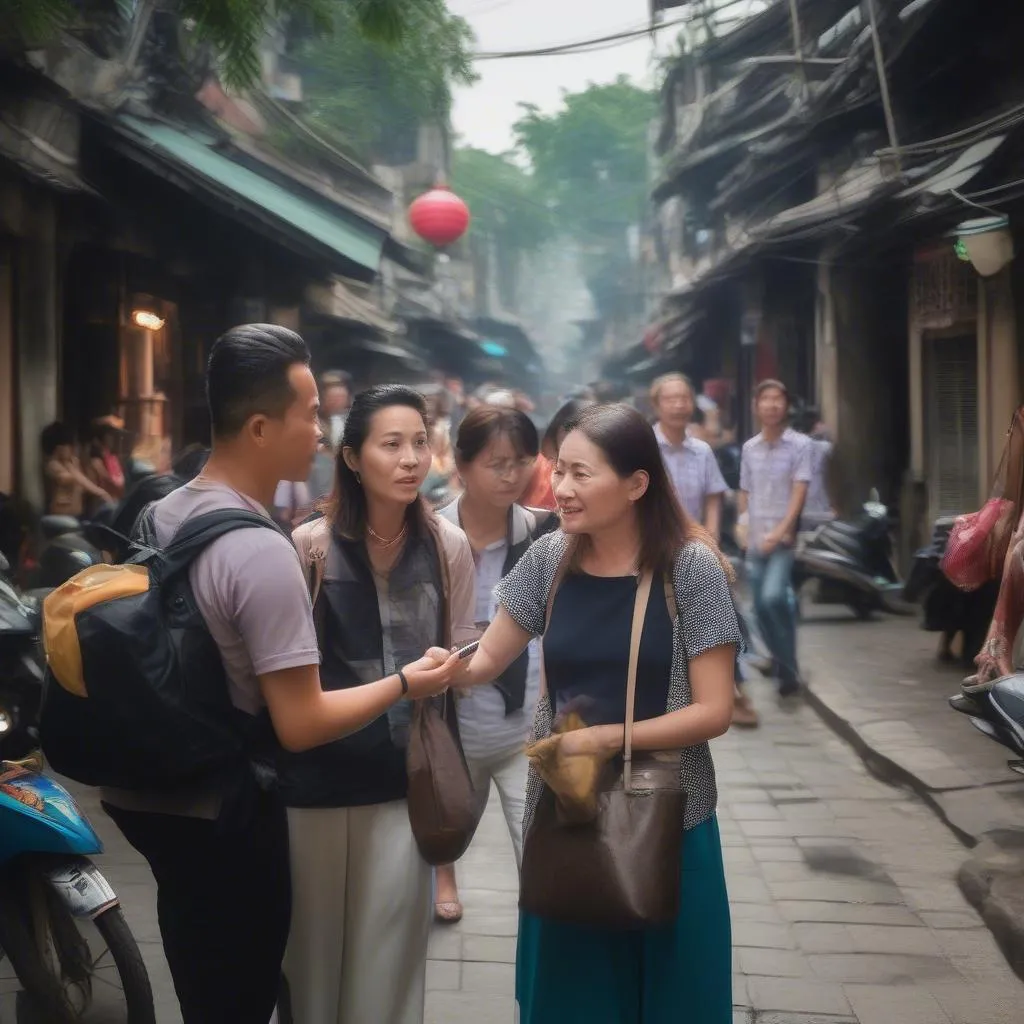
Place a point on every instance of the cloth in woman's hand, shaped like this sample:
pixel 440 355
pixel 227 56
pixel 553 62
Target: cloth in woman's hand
pixel 573 778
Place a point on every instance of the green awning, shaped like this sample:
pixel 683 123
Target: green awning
pixel 327 224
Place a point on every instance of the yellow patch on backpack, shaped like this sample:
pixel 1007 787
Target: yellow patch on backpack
pixel 95 585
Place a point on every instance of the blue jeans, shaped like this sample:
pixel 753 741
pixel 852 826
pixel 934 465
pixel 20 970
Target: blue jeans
pixel 771 582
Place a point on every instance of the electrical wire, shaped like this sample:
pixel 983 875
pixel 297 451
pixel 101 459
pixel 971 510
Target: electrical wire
pixel 581 45
pixel 965 136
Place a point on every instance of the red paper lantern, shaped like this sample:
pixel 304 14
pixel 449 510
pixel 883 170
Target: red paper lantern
pixel 439 216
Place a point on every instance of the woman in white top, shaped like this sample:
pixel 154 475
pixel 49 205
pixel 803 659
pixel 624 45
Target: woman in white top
pixel 495 451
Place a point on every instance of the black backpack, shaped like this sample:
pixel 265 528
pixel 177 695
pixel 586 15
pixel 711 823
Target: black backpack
pixel 135 695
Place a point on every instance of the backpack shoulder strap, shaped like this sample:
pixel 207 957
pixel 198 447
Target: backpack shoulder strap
pixel 198 532
pixel 144 530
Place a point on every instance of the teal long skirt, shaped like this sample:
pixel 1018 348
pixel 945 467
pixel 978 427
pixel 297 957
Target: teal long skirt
pixel 679 973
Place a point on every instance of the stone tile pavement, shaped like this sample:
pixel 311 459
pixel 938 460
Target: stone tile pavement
pixel 880 685
pixel 844 900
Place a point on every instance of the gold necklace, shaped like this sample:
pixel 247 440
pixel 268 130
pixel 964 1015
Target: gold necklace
pixel 386 543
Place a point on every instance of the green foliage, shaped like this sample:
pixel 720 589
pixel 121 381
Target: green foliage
pixel 503 198
pixel 234 28
pixel 375 91
pixel 590 157
pixel 33 21
pixel 589 160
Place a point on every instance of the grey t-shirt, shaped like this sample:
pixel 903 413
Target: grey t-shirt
pixel 250 589
pixel 252 593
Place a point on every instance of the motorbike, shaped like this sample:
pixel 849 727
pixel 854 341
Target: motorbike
pixel 851 562
pixel 996 709
pixel 67 550
pixel 71 545
pixel 66 952
pixel 67 955
pixel 21 667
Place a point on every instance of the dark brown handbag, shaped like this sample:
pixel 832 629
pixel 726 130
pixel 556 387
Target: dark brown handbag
pixel 444 807
pixel 444 810
pixel 621 870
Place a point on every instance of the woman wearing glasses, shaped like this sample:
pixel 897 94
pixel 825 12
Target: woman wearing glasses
pixel 495 451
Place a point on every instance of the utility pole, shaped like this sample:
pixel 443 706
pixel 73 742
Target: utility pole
pixel 798 46
pixel 883 85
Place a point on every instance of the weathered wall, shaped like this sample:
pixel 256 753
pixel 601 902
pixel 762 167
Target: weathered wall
pixel 37 302
pixel 869 308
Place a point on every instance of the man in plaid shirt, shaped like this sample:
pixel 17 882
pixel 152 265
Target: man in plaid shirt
pixel 775 472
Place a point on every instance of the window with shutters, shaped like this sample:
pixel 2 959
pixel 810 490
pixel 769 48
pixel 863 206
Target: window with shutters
pixel 951 397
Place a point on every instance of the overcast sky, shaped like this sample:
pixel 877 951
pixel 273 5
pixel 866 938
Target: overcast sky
pixel 484 113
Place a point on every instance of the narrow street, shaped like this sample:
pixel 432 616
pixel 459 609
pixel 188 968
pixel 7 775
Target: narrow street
pixel 844 900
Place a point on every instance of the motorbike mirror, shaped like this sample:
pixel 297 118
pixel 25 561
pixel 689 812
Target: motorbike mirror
pixel 873 498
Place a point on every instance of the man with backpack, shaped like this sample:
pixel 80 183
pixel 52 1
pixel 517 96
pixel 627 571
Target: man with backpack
pixel 174 688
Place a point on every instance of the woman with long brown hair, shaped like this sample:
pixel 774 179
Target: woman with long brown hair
pixel 579 588
pixel 389 578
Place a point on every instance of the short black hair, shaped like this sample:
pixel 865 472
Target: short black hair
pixel 247 375
pixel 336 378
pixel 54 436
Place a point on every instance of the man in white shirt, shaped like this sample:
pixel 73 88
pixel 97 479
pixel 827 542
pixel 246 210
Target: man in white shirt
pixel 774 476
pixel 335 402
pixel 694 471
pixel 690 462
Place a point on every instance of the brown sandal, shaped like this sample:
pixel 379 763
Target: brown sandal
pixel 448 911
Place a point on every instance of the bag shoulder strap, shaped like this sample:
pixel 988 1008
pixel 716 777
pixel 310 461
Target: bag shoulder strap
pixel 560 569
pixel 434 528
pixel 198 532
pixel 643 593
pixel 670 597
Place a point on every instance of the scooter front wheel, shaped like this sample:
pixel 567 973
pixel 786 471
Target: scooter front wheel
pixel 67 970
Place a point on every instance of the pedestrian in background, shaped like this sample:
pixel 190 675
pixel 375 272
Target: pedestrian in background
pixel 335 402
pixel 775 472
pixel 539 493
pixel 819 507
pixel 690 462
pixel 66 484
pixel 697 478
pixel 495 451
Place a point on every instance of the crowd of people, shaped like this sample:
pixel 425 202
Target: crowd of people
pixel 409 523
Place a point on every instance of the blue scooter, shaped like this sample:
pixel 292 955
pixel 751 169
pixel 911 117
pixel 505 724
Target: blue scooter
pixel 67 955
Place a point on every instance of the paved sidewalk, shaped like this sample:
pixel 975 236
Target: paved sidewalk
pixel 881 686
pixel 844 900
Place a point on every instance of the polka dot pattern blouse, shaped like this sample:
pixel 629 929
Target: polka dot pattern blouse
pixel 706 619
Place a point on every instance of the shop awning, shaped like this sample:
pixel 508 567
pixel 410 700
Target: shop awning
pixel 311 223
pixel 340 302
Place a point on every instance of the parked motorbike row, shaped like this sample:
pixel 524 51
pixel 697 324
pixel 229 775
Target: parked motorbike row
pixel 66 952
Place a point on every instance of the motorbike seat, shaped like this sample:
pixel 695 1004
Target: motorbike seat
pixel 840 543
pixel 57 526
pixel 840 528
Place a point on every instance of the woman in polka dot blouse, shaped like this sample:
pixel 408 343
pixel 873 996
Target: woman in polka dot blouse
pixel 620 517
